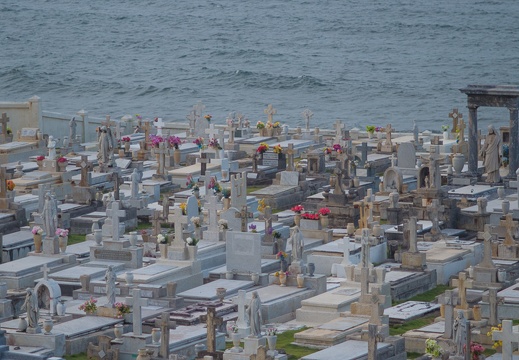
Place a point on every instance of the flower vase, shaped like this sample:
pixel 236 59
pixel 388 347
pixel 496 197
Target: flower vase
pixel 22 324
pixel 476 312
pixel 311 269
pixel 370 135
pixel 48 324
pixel 300 280
pixel 129 278
pixel 126 146
pixel 255 278
pixel 220 293
pixel 272 341
pixel 350 228
pixel 236 342
pixel 324 221
pixel 229 275
pixel 505 207
pixel 155 335
pixel 62 166
pixel 458 161
pixel 163 251
pixel 118 331
pixel 61 308
pixel 133 238
pixel 501 192
pixel 445 135
pixel 297 219
pixel 283 265
pixel 198 232
pixel 176 156
pixel 226 203
pixel 192 251
pixel 282 279
pixel 63 241
pixel 37 243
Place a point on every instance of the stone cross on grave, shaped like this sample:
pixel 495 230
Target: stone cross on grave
pixel 455 115
pixel 162 151
pixel 267 216
pixel 255 158
pixel 198 109
pixel 115 213
pixel 115 176
pixel 365 256
pixel 147 132
pixel 462 283
pixel 4 176
pixel 448 300
pixel 270 112
pixel 487 252
pixel 338 181
pixel 364 281
pixel 508 337
pixel 377 308
pixel 241 301
pixel 45 270
pixel 204 160
pixel 136 302
pixel 290 157
pixel 108 122
pixel 192 120
pixel 511 227
pixel 461 128
pixel 338 126
pixel 215 133
pixel 345 251
pixel 155 221
pixel 239 119
pixel 493 301
pixel 231 127
pixel 4 120
pixel 159 125
pixel 165 325
pixel 434 210
pixel 213 206
pixel 389 130
pixel 213 321
pixel 243 216
pixel 373 337
pixel 85 166
pixel 363 154
pixel 238 191
pixel 307 115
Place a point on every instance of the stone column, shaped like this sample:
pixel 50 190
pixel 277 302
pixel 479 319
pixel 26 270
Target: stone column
pixel 513 146
pixel 473 140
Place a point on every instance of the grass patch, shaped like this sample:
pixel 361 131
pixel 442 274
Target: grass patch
pixel 428 295
pixel 143 226
pixel 489 352
pixel 75 239
pixel 399 329
pixel 413 355
pixel 81 356
pixel 253 188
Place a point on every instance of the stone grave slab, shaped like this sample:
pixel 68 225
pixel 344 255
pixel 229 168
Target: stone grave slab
pixel 275 190
pixel 395 275
pixel 123 163
pixel 472 192
pixel 149 273
pixel 344 323
pixel 27 265
pixel 81 249
pixel 436 327
pixel 84 325
pixel 410 310
pixel 207 291
pixel 289 178
pixel 73 274
pixel 275 292
pixel 439 254
pixel 348 350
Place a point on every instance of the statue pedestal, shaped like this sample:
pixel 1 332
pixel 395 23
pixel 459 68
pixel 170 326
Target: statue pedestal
pixel 251 344
pixel 33 330
pixel 51 246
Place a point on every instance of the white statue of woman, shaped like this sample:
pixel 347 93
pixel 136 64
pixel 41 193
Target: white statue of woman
pixel 254 313
pixel 110 278
pixel 33 312
pixel 104 146
pixel 460 333
pixel 297 245
pixel 49 216
pixel 490 154
pixel 51 145
pixel 135 177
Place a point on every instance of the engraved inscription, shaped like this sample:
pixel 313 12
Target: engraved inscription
pixel 113 255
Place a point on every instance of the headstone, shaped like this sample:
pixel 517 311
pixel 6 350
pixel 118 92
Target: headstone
pixel 406 155
pixel 241 322
pixel 243 251
pixel 448 301
pixel 115 213
pixel 238 190
pixel 462 283
pixel 213 322
pixel 137 302
pixel 454 115
pixel 508 337
pixel 270 112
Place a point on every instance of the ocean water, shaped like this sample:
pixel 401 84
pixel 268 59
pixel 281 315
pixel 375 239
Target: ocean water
pixel 361 61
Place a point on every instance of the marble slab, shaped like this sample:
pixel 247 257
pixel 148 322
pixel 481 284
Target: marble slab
pixel 410 310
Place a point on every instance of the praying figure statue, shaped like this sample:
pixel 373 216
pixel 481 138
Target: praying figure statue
pixel 49 216
pixel 297 245
pixel 51 145
pixel 135 177
pixel 72 131
pixel 253 311
pixel 460 333
pixel 110 278
pixel 490 154
pixel 104 146
pixel 33 312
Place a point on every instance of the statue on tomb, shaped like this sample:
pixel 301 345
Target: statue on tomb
pixel 297 244
pixel 72 131
pixel 135 177
pixel 51 145
pixel 104 146
pixel 254 313
pixel 460 333
pixel 110 278
pixel 490 154
pixel 49 216
pixel 33 312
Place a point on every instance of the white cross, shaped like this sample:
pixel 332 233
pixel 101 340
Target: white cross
pixel 45 269
pixel 338 129
pixel 241 301
pixel 115 213
pixel 213 206
pixel 161 151
pixel 136 302
pixel 507 336
pixel 215 133
pixel 270 111
pixel 198 108
pixel 159 124
pixel 346 251
pixel 179 220
pixel 307 115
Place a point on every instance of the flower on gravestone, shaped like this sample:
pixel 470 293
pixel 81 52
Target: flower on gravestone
pixel 379 128
pixel 126 139
pixel 174 141
pixel 62 160
pixel 183 207
pixel 214 144
pixel 199 141
pixel 370 128
pixel 281 255
pixel 252 228
pixel 497 343
pixel 89 306
pixel 337 147
pixel 192 241
pixel 276 235
pixel 262 148
pixel 324 211
pixel 138 117
pixel 445 128
pixel 156 140
pixel 161 239
pixel 40 158
pixel 226 193
pixel 271 331
pixel 270 230
pixel 61 232
pixel 195 220
pixel 277 149
pixel 190 182
pixel 298 209
pixel 310 216
pixel 260 125
pixel 223 224
pixel 10 185
pixel 122 309
pixel 232 327
pixel 9 131
pixel 261 205
pixel 36 230
pixel 199 206
pixel 276 125
pixel 476 349
pixel 432 348
pixel 208 117
pixel 327 150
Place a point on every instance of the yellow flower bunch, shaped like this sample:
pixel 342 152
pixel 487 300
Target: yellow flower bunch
pixel 497 343
pixel 276 124
pixel 261 205
pixel 183 207
pixel 277 149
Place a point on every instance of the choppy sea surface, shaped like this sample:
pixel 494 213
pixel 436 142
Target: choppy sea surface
pixel 361 61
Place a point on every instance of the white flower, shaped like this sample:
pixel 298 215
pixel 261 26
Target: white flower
pixel 196 221
pixel 189 241
pixel 224 225
pixel 160 237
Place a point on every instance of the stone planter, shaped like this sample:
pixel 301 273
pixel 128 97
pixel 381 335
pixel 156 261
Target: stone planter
pixel 63 242
pixel 220 293
pixel 300 280
pixel 177 156
pixel 501 275
pixel 272 341
pixel 310 224
pixel 133 238
pixel 236 342
pixel 282 279
pixel 62 166
pixel 98 236
pixel 501 192
pixel 163 251
pixel 61 308
pixel 118 331
pixel 505 206
pixel 255 277
pixel 126 146
pixel 476 312
pixel 350 228
pixel 192 251
pixel 129 278
pixel 445 135
pixel 458 161
pixel 22 324
pixel 37 243
pixel 229 275
pixel 324 221
pixel 47 326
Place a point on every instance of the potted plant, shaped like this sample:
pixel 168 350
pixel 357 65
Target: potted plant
pixel 260 125
pixel 37 233
pixel 62 163
pixel 297 210
pixel 39 160
pixel 199 141
pixel 310 221
pixel 163 246
pixel 323 213
pixel 262 148
pixel 232 329
pixel 370 130
pixel 192 247
pixel 126 140
pixel 89 306
pixel 271 333
pixel 432 348
pixel 252 228
pixel 278 149
pixel 63 239
pixel 122 309
pixel 476 350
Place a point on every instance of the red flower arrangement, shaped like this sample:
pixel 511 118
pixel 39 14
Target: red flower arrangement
pixel 126 139
pixel 262 148
pixel 297 209
pixel 324 211
pixel 310 216
pixel 62 160
pixel 40 158
pixel 10 185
